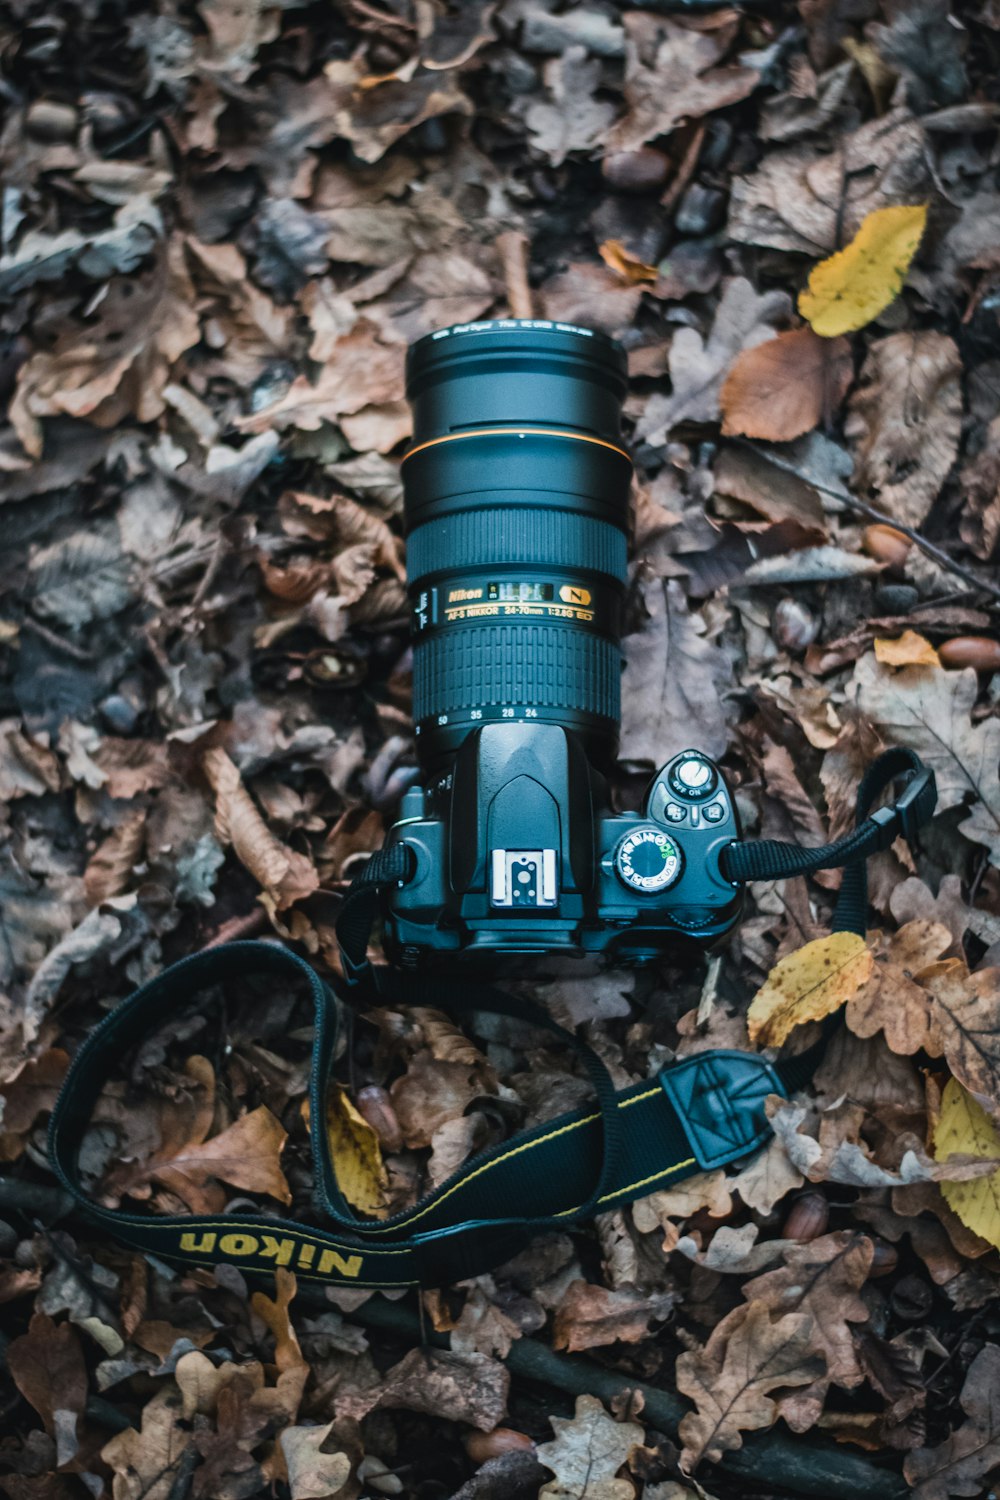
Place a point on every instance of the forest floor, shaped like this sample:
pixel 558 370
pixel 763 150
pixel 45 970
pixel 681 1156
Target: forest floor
pixel 223 221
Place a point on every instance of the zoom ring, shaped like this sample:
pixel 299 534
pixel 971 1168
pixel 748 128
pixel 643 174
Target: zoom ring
pixel 538 666
pixel 499 536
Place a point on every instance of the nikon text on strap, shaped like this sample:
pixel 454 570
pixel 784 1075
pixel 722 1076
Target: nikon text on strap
pixel 701 1112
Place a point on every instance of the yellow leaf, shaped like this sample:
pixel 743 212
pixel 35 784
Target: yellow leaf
pixel 356 1154
pixel 965 1129
pixel 852 287
pixel 807 985
pixel 907 650
pixel 628 266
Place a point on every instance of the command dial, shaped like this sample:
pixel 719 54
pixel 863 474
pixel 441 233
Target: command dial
pixel 692 777
pixel 647 860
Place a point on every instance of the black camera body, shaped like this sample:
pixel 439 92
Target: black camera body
pixel 517 499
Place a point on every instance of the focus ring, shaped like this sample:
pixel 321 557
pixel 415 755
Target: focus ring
pixel 543 666
pixel 499 536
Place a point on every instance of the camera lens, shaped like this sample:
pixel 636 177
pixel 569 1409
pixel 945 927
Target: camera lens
pixel 517 507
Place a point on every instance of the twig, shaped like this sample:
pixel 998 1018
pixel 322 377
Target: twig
pixel 238 927
pixel 76 653
pixel 513 247
pixel 980 585
pixel 34 1199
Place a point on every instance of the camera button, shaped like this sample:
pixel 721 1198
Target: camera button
pixel 715 813
pixel 692 777
pixel 674 813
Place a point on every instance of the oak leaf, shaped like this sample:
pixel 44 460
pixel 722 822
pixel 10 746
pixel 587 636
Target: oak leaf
pixel 47 1367
pixel 782 388
pixel 731 1379
pixel 823 1278
pixel 904 421
pixel 589 1316
pixel 849 289
pixel 146 1463
pixel 699 364
pixel 892 998
pixel 931 712
pixel 965 1129
pixel 469 1387
pixel 962 1464
pixel 246 1155
pixel 807 985
pixel 586 1453
pixel 312 1474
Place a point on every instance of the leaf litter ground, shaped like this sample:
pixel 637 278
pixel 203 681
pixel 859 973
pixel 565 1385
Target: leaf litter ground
pixel 222 225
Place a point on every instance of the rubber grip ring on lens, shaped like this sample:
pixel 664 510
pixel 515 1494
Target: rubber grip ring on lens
pixel 505 537
pixel 540 666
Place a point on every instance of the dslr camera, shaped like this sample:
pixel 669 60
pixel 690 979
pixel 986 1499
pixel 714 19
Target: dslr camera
pixel 517 505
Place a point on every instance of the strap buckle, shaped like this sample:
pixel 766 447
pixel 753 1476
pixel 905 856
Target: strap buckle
pixel 457 1252
pixel 719 1099
pixel 912 807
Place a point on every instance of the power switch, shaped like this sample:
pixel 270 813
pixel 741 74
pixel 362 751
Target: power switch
pixel 692 777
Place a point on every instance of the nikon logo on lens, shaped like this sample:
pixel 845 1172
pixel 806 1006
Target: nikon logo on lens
pixel 517 506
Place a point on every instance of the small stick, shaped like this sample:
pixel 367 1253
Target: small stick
pixel 76 653
pixel 238 927
pixel 513 247
pixel 980 585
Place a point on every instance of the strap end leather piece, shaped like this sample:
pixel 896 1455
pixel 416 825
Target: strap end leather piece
pixel 719 1099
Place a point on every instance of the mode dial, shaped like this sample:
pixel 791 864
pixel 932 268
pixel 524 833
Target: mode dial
pixel 647 860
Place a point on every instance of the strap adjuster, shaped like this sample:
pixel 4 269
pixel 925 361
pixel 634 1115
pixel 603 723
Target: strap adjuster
pixel 913 806
pixel 457 1252
pixel 719 1099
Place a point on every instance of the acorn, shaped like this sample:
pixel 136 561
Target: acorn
pixel 795 627
pixel 375 1107
pixel 886 544
pixel 807 1219
pixel 640 171
pixel 481 1446
pixel 885 1258
pixel 979 651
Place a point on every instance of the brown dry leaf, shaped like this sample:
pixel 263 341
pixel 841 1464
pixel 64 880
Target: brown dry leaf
pixel 569 118
pixel 592 295
pixel 361 372
pixel 698 365
pixel 767 1179
pixel 47 1366
pixel 28 768
pixel 967 1010
pixel 372 113
pixel 469 1387
pixel 904 421
pixel 246 1155
pixel 807 985
pixel 111 868
pixel 251 329
pixel 590 1316
pixel 673 682
pixel 823 1278
pixel 146 1463
pixel 894 1000
pixel 806 201
pixel 283 873
pixel 432 1092
pixel 672 74
pixel 586 1454
pixel 963 1463
pixel 906 650
pixel 118 366
pixel 312 1474
pixel 731 1379
pixel 782 388
pixel 930 711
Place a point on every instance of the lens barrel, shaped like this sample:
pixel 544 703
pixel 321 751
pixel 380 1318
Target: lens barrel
pixel 516 493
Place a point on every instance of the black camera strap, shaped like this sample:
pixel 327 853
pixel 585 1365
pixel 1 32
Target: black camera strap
pixel 698 1113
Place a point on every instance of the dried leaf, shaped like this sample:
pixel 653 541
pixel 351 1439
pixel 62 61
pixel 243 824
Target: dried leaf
pixel 586 1454
pixel 356 1154
pixel 807 985
pixel 907 650
pixel 47 1367
pixel 731 1379
pixel 590 1316
pixel 904 421
pixel 312 1474
pixel 782 388
pixel 284 874
pixel 962 1464
pixel 965 1129
pixel 852 287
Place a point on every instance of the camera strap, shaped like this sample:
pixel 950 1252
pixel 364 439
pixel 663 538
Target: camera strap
pixel 698 1113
